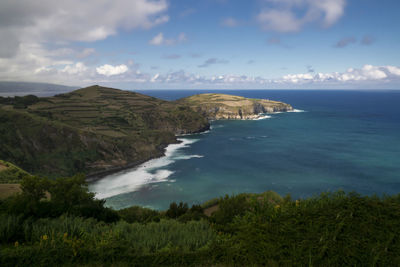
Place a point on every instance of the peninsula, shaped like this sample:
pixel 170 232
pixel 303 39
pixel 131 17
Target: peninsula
pixel 222 106
pixel 98 130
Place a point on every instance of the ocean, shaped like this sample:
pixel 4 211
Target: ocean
pixel 338 140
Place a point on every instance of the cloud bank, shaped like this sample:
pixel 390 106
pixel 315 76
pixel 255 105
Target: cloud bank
pixel 36 36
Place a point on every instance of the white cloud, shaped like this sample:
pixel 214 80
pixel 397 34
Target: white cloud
pixel 279 20
pixel 77 68
pixel 393 70
pixel 333 9
pixel 77 20
pixel 159 39
pixel 293 15
pixel 351 78
pixel 29 28
pixel 295 78
pixel 109 70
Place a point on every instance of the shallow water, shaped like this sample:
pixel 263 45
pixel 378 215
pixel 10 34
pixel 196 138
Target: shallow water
pixel 346 140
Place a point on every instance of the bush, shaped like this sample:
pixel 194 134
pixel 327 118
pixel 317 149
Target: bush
pixel 229 208
pixel 66 195
pixel 25 101
pixel 139 214
pixel 175 211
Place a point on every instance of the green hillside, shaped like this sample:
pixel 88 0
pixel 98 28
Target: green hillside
pixel 90 130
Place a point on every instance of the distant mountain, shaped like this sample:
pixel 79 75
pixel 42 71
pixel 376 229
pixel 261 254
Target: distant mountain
pixel 40 89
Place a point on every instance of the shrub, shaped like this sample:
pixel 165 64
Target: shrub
pixel 229 208
pixel 175 211
pixel 139 214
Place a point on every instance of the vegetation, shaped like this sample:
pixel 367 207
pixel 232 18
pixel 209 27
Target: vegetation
pixel 71 227
pixel 11 174
pixel 19 102
pixel 90 130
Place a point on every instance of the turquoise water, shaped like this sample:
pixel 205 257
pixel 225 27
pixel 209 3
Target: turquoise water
pixel 346 140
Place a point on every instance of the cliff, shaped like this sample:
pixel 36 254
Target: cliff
pixel 91 130
pixel 222 106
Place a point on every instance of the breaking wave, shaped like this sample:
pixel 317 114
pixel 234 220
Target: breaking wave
pixel 152 171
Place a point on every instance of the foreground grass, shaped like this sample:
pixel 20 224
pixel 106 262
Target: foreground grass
pixel 329 230
pixel 74 228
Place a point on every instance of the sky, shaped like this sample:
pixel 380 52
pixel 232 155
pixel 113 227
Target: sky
pixel 202 44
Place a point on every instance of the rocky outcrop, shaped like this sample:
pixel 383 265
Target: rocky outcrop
pixel 222 106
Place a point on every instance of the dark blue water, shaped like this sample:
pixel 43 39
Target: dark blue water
pixel 346 140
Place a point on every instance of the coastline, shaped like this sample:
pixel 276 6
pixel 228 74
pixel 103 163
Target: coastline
pixel 152 171
pixel 93 177
pixel 96 176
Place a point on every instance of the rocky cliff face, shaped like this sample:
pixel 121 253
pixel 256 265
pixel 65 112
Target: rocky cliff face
pixel 221 106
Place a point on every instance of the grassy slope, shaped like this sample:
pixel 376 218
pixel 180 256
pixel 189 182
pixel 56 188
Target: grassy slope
pixel 221 106
pixel 10 177
pixel 90 130
pixel 10 174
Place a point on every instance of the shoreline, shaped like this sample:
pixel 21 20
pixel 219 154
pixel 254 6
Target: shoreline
pixel 101 174
pixel 93 177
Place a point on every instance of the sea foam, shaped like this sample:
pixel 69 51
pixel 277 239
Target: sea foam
pixel 296 110
pixel 262 117
pixel 152 171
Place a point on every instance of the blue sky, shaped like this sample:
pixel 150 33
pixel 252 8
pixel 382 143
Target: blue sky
pixel 187 44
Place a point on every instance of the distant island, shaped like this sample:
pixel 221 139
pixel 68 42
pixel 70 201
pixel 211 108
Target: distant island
pixel 98 130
